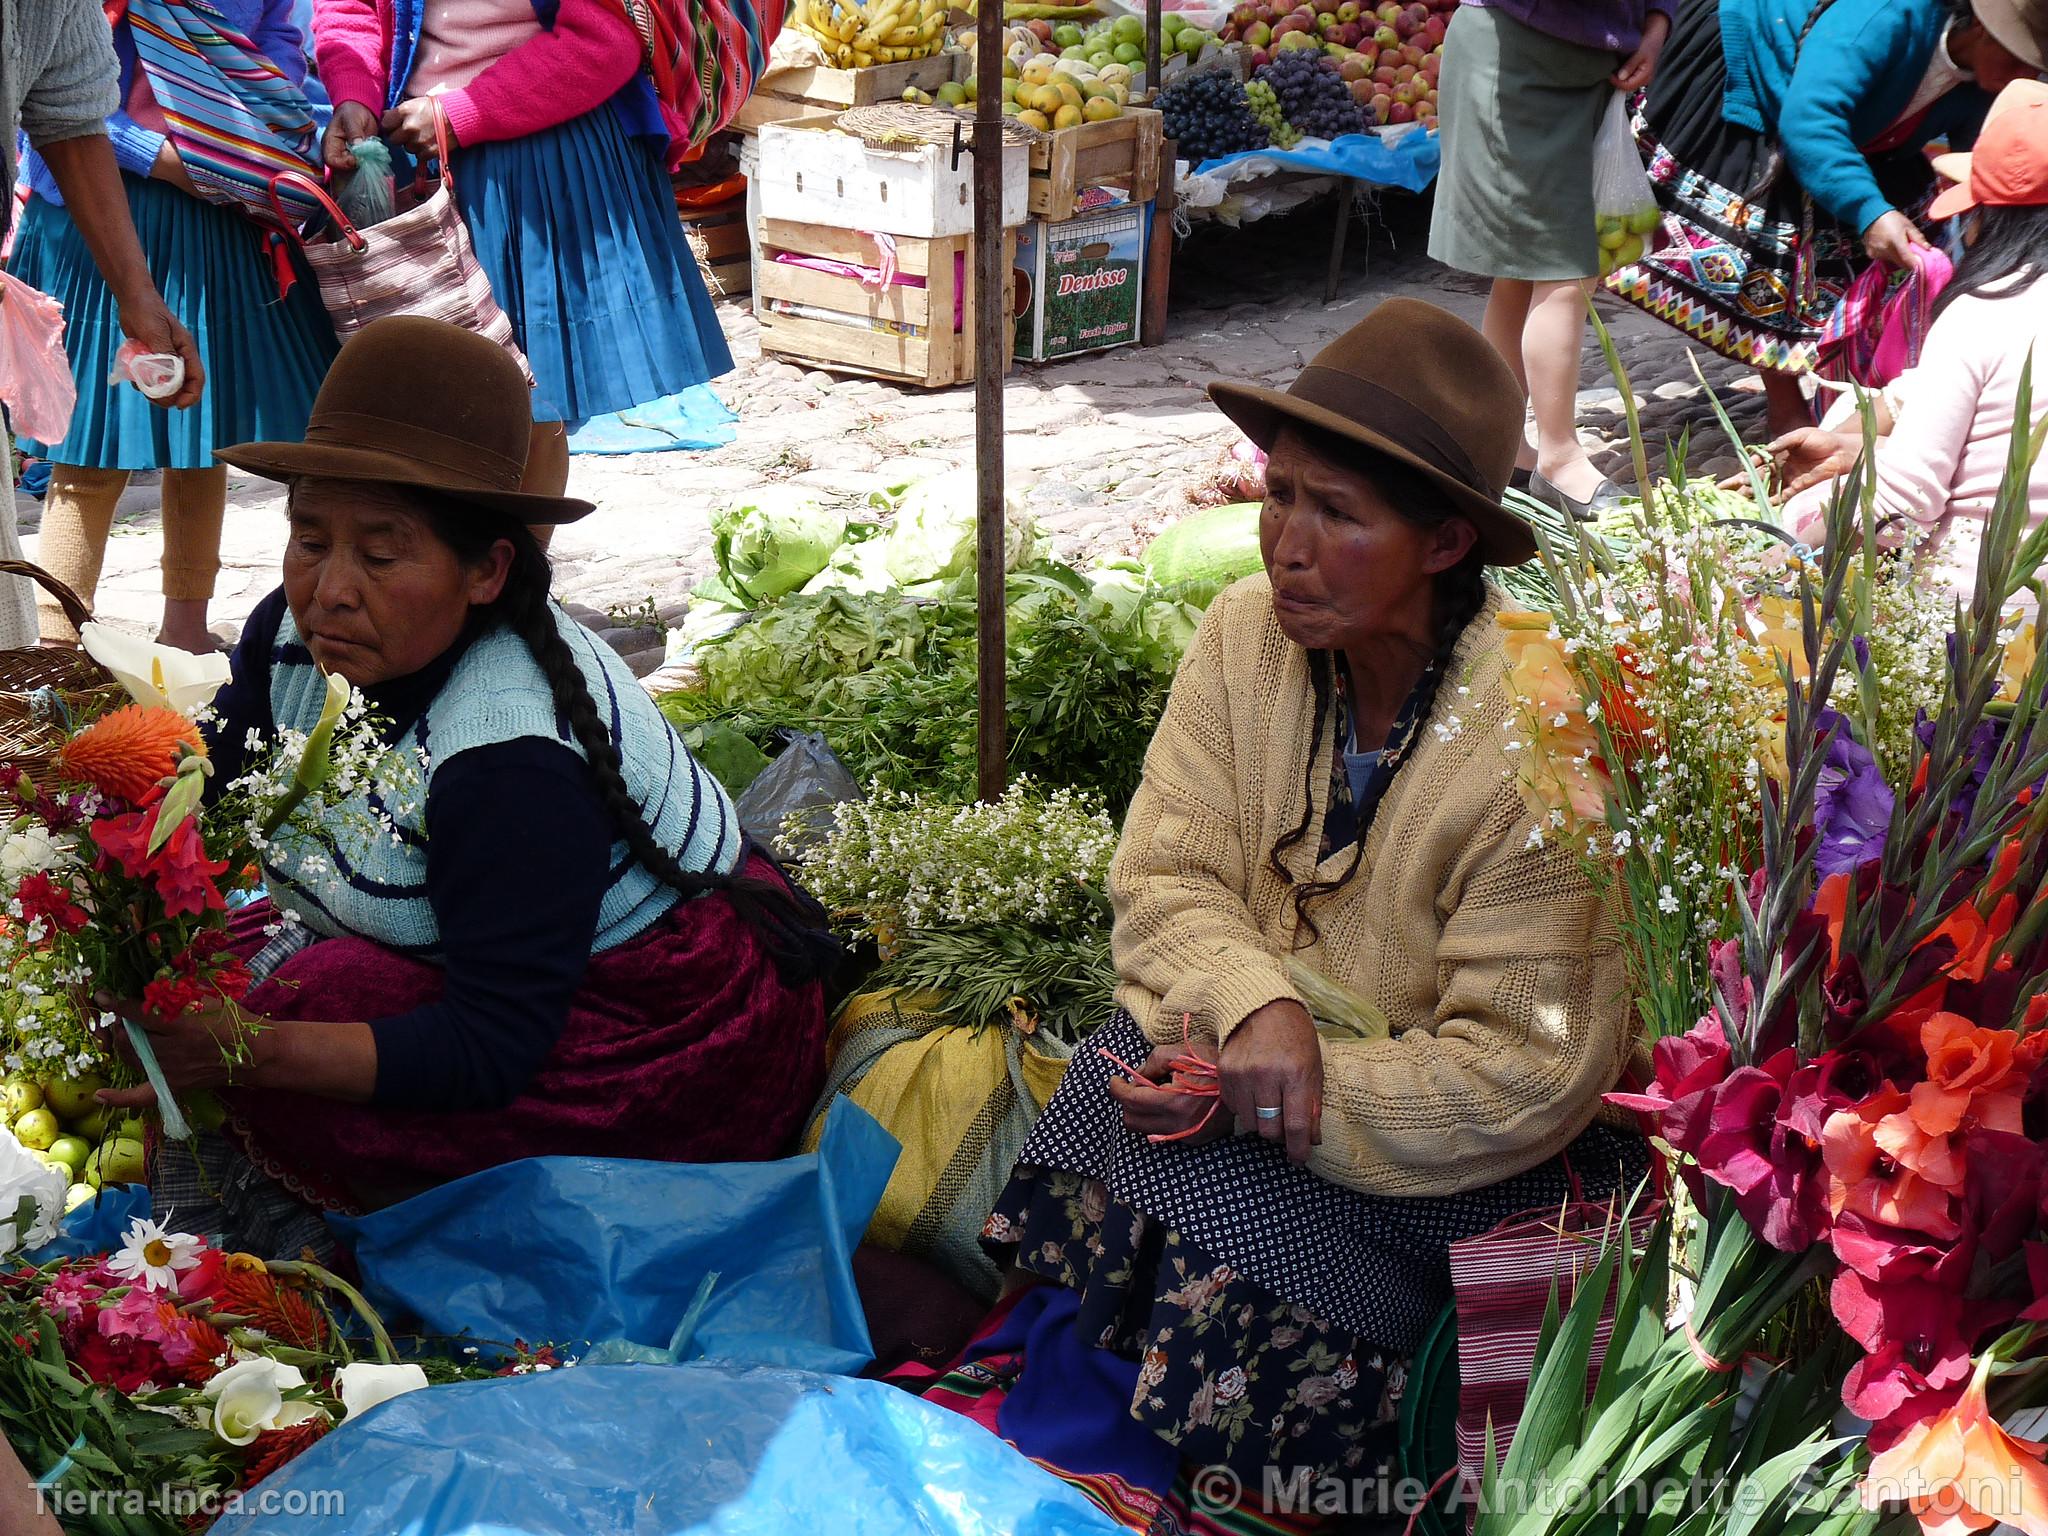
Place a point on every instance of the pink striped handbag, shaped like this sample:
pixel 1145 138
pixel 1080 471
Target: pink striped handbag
pixel 418 262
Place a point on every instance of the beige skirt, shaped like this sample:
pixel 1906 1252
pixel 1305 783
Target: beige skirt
pixel 1519 110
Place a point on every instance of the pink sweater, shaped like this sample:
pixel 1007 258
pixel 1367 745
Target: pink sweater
pixel 1942 463
pixel 551 76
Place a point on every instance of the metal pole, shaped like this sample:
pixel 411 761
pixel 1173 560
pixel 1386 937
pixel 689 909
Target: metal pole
pixel 991 314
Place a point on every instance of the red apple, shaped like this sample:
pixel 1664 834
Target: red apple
pixel 1287 24
pixel 1259 34
pixel 1361 92
pixel 1327 23
pixel 1401 112
pixel 1433 29
pixel 1381 105
pixel 1348 10
pixel 1349 33
pixel 1384 75
pixel 1386 39
pixel 1261 58
pixel 1243 17
pixel 1042 30
pixel 1352 68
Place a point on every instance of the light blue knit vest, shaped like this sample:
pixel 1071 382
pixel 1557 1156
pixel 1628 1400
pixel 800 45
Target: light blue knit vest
pixel 374 887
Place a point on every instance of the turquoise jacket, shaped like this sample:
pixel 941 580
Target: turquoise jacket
pixel 1858 71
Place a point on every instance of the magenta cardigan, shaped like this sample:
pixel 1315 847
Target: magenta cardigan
pixel 573 67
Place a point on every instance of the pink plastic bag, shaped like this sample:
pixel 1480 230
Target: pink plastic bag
pixel 35 376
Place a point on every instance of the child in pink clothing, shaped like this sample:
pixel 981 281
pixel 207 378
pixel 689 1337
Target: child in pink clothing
pixel 1947 424
pixel 559 167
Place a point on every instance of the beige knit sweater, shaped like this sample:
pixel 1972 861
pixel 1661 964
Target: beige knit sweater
pixel 1495 962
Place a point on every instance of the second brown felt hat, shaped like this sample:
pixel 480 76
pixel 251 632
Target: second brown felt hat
pixel 1415 384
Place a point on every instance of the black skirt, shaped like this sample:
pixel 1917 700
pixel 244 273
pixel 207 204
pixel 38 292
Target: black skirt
pixel 1746 263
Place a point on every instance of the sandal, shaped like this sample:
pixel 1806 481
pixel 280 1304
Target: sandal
pixel 1605 498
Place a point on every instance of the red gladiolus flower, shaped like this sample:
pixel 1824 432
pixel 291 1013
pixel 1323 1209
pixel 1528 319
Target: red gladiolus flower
pixel 1889 1254
pixel 43 899
pixel 1914 1336
pixel 184 875
pixel 1687 1066
pixel 1958 1470
pixel 126 1363
pixel 1973 1075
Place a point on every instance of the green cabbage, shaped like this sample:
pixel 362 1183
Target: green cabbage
pixel 772 543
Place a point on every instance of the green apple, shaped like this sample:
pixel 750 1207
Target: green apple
pixel 92 1125
pixel 18 1096
pixel 1129 53
pixel 1171 23
pixel 52 1160
pixel 71 1097
pixel 118 1161
pixel 1066 34
pixel 1192 42
pixel 36 1129
pixel 1128 29
pixel 129 1127
pixel 72 1151
pixel 77 1195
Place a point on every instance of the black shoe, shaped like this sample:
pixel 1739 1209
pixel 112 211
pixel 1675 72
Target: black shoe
pixel 1605 498
pixel 1518 478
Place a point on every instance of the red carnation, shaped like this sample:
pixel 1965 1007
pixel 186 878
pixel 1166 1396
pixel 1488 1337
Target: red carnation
pixel 43 899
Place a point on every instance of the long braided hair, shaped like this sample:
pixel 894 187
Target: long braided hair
pixel 793 929
pixel 1460 594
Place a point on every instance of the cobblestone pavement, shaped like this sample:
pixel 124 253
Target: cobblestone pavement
pixel 1107 448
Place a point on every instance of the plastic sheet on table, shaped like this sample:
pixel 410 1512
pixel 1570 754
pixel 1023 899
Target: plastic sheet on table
pixel 652 1450
pixel 584 1250
pixel 1408 161
pixel 694 418
pixel 96 1227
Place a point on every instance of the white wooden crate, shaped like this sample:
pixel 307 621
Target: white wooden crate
pixel 812 174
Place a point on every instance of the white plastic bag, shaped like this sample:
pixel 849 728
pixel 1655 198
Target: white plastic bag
pixel 1624 203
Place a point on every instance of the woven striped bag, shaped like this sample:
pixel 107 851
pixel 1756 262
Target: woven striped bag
pixel 1501 1281
pixel 418 262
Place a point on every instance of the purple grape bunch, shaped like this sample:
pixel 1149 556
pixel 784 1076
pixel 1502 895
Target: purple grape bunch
pixel 1313 94
pixel 1208 117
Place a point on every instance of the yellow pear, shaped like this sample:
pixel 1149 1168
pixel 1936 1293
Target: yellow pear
pixel 1038 120
pixel 1070 93
pixel 1067 117
pixel 1101 109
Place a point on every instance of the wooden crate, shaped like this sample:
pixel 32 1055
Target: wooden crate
pixel 1122 152
pixel 941 354
pixel 793 93
pixel 810 173
pixel 718 239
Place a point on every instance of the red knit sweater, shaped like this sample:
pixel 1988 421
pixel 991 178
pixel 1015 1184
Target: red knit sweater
pixel 560 73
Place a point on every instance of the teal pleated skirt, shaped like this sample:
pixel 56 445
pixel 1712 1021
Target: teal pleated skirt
pixel 264 356
pixel 576 227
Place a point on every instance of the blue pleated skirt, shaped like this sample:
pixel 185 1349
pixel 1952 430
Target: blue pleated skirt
pixel 264 356
pixel 577 228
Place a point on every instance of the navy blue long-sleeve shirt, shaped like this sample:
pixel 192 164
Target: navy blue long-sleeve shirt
pixel 519 846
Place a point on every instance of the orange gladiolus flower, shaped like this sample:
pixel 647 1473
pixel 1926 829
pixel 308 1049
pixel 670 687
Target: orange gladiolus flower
pixel 1973 1075
pixel 1960 1471
pixel 1868 1176
pixel 126 754
pixel 1561 768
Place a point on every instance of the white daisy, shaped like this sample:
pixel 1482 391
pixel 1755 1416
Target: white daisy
pixel 151 1256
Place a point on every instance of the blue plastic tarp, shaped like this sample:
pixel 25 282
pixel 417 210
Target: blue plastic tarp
pixel 578 1250
pixel 654 1450
pixel 96 1227
pixel 694 418
pixel 1409 162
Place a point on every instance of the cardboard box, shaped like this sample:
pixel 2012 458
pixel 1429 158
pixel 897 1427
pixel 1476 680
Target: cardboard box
pixel 1080 285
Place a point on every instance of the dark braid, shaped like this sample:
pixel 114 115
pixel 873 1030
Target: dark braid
pixel 793 929
pixel 1460 594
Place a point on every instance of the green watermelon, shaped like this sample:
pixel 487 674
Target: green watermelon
pixel 1220 544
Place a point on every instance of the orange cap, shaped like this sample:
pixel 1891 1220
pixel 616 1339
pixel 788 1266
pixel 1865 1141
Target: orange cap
pixel 2009 166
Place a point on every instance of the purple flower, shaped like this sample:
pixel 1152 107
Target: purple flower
pixel 1862 648
pixel 1852 806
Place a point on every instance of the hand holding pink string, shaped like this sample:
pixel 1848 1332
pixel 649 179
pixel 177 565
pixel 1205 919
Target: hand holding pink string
pixel 1187 1075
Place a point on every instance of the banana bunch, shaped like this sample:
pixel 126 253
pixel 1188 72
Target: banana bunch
pixel 858 33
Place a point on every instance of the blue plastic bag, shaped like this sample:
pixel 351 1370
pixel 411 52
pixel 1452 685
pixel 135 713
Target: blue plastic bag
pixel 582 1250
pixel 1409 162
pixel 96 1227
pixel 651 1450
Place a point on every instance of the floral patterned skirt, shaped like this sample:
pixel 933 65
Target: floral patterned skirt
pixel 1214 1322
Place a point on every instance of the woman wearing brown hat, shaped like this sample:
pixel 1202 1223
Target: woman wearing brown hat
pixel 568 946
pixel 1234 1280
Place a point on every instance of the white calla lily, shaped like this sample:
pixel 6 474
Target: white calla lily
pixel 248 1398
pixel 362 1386
pixel 156 674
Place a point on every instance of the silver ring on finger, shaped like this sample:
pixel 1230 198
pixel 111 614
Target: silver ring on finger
pixel 1266 1112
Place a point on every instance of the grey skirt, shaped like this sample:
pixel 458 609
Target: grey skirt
pixel 1519 111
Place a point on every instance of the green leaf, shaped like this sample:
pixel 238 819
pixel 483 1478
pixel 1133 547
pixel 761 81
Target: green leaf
pixel 177 806
pixel 1555 1409
pixel 1759 1494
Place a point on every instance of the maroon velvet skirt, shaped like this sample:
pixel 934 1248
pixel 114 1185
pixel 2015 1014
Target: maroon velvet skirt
pixel 683 1045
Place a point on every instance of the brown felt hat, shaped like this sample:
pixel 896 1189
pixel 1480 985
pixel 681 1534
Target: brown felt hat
pixel 419 402
pixel 2020 27
pixel 1419 385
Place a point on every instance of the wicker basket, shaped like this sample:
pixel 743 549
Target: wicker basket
pixel 29 729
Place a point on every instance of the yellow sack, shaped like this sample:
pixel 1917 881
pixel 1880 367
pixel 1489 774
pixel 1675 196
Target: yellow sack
pixel 961 1100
